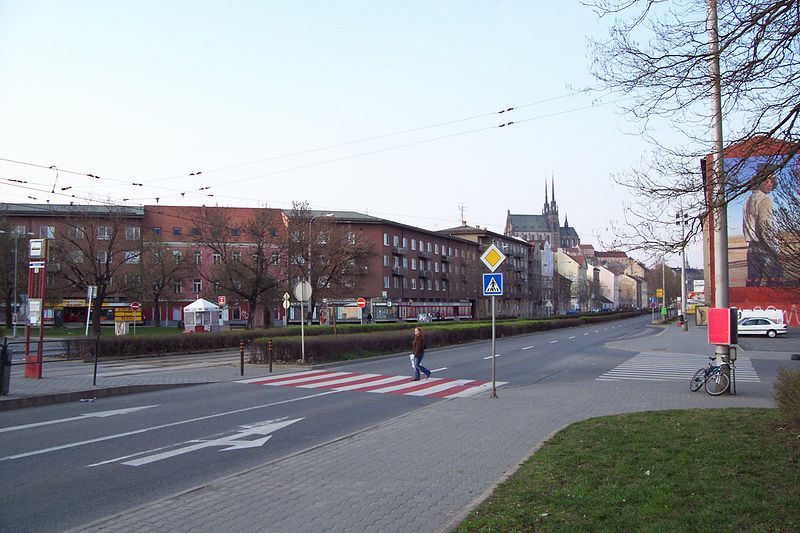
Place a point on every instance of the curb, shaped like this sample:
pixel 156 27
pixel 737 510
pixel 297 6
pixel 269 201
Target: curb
pixel 72 396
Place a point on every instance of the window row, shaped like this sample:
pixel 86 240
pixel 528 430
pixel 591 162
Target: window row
pixel 429 246
pixel 421 284
pixel 102 233
pixel 423 264
pixel 196 231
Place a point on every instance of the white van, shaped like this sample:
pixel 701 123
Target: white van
pixel 777 315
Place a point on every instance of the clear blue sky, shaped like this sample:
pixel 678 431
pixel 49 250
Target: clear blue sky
pixel 148 92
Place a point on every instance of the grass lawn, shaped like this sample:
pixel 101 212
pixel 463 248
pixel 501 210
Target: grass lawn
pixel 695 470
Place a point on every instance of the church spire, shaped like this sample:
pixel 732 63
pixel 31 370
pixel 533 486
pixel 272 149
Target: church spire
pixel 546 202
pixel 566 221
pixel 553 205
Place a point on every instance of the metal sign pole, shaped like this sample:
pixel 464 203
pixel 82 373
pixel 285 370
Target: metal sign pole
pixel 494 384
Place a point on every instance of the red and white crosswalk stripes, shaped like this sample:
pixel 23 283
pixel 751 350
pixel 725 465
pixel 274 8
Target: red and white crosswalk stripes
pixel 376 383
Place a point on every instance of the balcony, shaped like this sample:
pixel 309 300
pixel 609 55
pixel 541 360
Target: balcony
pixel 425 273
pixel 399 271
pixel 399 250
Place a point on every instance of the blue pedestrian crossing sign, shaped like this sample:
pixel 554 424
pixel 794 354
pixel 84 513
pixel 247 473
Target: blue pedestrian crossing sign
pixel 493 284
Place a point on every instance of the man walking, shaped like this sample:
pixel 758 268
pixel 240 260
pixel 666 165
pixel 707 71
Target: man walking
pixel 418 349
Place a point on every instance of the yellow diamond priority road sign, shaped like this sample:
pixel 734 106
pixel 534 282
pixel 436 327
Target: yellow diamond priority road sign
pixel 493 257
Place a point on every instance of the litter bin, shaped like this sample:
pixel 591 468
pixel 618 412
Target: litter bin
pixel 5 368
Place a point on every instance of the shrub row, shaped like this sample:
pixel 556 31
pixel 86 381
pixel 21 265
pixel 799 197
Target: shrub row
pixel 321 339
pixel 328 348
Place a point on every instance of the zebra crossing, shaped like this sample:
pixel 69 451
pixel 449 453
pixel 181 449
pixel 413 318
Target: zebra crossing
pixel 660 367
pixel 376 383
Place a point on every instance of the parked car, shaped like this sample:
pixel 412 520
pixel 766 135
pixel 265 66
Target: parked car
pixel 761 326
pixel 424 317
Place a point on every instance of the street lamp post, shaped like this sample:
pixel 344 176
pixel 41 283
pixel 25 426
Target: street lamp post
pixel 310 220
pixel 15 313
pixel 682 220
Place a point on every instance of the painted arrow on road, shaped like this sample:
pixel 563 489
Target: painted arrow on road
pixel 99 414
pixel 237 441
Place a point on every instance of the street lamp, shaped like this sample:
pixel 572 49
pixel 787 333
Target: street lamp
pixel 682 220
pixel 310 220
pixel 16 238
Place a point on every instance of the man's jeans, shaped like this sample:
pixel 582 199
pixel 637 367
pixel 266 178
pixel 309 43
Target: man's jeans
pixel 418 366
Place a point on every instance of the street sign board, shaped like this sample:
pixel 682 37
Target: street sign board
pixel 361 302
pixel 135 306
pixel 286 304
pixel 221 300
pixel 493 284
pixel 493 257
pixel 302 291
pixel 126 315
pixel 659 293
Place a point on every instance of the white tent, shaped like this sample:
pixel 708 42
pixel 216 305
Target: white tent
pixel 201 315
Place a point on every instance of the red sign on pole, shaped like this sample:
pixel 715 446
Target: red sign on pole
pixel 361 302
pixel 135 306
pixel 221 299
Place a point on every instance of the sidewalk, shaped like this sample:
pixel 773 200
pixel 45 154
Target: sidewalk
pixel 425 470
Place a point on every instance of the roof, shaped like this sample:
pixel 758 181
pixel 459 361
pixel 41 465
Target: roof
pixel 568 231
pixel 612 253
pixel 200 305
pixel 529 222
pixel 71 210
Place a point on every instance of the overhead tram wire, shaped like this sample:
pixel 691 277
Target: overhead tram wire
pixel 192 193
pixel 375 137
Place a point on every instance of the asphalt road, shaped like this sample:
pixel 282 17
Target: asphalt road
pixel 69 464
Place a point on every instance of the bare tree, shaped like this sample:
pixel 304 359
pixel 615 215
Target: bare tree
pixel 160 270
pixel 326 252
pixel 657 55
pixel 10 252
pixel 247 254
pixel 98 248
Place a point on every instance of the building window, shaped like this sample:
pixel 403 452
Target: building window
pixel 217 258
pixel 156 231
pixel 396 261
pixel 176 231
pixel 196 232
pixel 76 256
pixel 76 232
pixel 405 283
pixel 413 283
pixel 197 256
pixel 176 286
pixel 436 284
pixel 413 263
pixel 132 257
pixel 197 285
pixel 405 262
pixel 236 255
pixel 235 232
pixel 133 233
pixel 430 285
pixel 405 242
pixel 177 256
pixel 47 232
pixel 103 233
pixel 273 232
pixel 102 256
pixel 396 283
pixel 386 239
pixel 395 240
pixel 385 260
pixel 436 266
pixel 421 245
pixel 413 244
pixel 385 282
pixel 444 285
pixel 436 248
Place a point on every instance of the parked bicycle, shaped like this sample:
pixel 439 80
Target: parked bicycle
pixel 712 376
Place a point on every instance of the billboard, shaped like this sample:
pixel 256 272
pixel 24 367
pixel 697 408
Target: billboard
pixel 754 250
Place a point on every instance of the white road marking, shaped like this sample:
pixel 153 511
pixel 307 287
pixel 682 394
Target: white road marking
pixel 527 347
pixel 439 369
pixel 553 342
pixel 585 334
pixel 100 414
pixel 153 428
pixel 572 337
pixel 496 355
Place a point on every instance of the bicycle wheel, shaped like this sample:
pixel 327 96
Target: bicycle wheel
pixel 697 380
pixel 717 384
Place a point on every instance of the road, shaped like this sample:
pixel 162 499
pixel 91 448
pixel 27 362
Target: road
pixel 69 464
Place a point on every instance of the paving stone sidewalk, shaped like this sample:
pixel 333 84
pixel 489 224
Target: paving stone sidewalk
pixel 417 473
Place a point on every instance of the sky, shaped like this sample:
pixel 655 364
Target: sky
pixel 385 108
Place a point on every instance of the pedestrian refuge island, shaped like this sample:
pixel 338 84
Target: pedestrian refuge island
pixel 201 315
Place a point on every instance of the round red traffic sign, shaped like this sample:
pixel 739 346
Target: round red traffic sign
pixel 361 302
pixel 135 306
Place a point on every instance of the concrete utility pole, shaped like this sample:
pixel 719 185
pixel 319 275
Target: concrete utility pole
pixel 719 206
